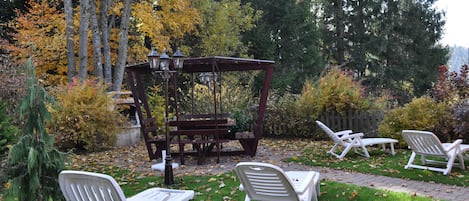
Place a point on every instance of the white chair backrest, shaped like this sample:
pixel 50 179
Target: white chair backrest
pixel 265 182
pixel 424 142
pixel 330 132
pixel 84 186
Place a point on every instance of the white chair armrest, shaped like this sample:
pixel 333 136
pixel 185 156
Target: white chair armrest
pixel 344 132
pixel 455 144
pixel 301 180
pixel 353 136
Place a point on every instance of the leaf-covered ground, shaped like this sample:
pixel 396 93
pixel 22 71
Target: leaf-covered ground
pixel 135 158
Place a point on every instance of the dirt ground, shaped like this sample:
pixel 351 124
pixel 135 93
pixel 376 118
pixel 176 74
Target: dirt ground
pixel 135 158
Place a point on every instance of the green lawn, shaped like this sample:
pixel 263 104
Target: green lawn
pixel 380 163
pixel 225 187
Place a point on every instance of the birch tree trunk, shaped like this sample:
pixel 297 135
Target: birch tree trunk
pixel 96 40
pixel 70 43
pixel 123 44
pixel 105 27
pixel 83 39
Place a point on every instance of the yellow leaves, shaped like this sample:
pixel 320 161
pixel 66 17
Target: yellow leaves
pixel 353 195
pixel 8 185
pixel 82 118
pixel 174 19
pixel 212 179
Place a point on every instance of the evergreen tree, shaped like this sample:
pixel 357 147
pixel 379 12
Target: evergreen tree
pixel 287 34
pixel 391 45
pixel 33 162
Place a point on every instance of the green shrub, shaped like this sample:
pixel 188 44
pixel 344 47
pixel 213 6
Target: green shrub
pixel 85 117
pixel 244 120
pixel 420 114
pixel 156 103
pixel 293 116
pixel 335 91
pixel 234 93
pixel 284 119
pixel 461 122
pixel 8 131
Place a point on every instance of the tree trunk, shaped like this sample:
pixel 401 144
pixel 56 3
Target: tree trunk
pixel 83 39
pixel 70 44
pixel 123 44
pixel 96 40
pixel 106 31
pixel 340 31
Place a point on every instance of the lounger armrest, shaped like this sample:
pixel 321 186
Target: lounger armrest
pixel 454 144
pixel 353 136
pixel 344 132
pixel 307 181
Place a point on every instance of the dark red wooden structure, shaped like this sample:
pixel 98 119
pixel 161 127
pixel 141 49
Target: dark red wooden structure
pixel 214 125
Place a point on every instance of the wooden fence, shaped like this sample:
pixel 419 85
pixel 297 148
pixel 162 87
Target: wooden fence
pixel 358 121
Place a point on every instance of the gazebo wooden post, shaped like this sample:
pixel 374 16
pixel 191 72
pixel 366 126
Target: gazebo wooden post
pixel 148 129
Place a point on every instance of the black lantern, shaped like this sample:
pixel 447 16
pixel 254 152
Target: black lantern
pixel 154 59
pixel 178 60
pixel 164 65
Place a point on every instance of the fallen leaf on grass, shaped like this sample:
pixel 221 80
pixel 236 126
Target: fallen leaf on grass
pixel 212 179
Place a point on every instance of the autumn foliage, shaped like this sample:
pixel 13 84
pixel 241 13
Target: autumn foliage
pixel 40 32
pixel 84 117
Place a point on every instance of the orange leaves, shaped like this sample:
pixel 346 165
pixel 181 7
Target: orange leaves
pixel 40 33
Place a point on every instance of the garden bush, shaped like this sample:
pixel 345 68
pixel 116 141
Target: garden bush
pixel 284 120
pixel 452 88
pixel 85 117
pixel 337 91
pixel 12 84
pixel 234 93
pixel 8 131
pixel 234 96
pixel 156 103
pixel 293 115
pixel 421 113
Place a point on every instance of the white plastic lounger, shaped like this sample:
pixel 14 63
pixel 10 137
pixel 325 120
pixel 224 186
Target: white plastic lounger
pixel 267 182
pixel 90 186
pixel 425 143
pixel 350 140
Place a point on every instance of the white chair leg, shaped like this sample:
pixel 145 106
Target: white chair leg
pixel 449 165
pixel 365 151
pixel 461 162
pixel 346 150
pixel 392 149
pixel 411 160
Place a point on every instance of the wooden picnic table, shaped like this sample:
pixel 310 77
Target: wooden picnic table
pixel 203 134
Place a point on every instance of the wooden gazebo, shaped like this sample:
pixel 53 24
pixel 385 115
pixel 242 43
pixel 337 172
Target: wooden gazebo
pixel 213 124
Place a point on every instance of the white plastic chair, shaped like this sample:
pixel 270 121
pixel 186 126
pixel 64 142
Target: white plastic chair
pixel 425 143
pixel 90 186
pixel 349 140
pixel 267 182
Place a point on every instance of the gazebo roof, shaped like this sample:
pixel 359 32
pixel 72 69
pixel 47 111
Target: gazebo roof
pixel 220 64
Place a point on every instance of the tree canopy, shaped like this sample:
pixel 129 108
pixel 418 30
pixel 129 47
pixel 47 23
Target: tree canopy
pixel 392 46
